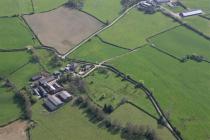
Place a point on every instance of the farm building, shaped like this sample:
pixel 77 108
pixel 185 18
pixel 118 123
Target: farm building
pixel 54 100
pixel 191 13
pixel 43 81
pixel 64 96
pixel 37 77
pixel 162 1
pixel 49 105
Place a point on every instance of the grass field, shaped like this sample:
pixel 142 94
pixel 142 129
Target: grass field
pixel 182 89
pixel 9 109
pixel 9 63
pixel 199 23
pixel 198 4
pixel 96 51
pixel 140 118
pixel 105 10
pixel 15 7
pixel 45 5
pixel 21 77
pixel 67 123
pixel 181 42
pixel 109 89
pixel 135 27
pixel 14 34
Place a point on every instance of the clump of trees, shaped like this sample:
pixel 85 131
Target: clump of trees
pixel 194 57
pixel 128 3
pixel 128 131
pixel 77 4
pixel 55 61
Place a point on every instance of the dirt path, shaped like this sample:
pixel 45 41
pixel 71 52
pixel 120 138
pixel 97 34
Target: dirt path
pixel 14 131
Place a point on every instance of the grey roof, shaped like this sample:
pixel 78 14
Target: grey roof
pixel 49 105
pixel 37 77
pixel 46 80
pixel 191 13
pixel 162 1
pixel 54 100
pixel 64 95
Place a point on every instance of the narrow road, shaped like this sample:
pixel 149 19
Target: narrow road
pixel 98 32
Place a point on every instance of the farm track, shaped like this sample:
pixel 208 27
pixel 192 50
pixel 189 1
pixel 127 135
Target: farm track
pixel 98 32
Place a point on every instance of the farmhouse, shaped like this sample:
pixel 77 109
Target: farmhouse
pixel 191 13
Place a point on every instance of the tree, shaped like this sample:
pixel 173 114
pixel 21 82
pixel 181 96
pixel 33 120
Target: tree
pixel 55 61
pixel 77 4
pixel 108 108
pixel 34 59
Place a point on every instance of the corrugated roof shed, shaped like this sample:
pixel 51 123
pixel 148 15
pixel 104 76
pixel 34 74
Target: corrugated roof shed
pixel 162 1
pixel 191 13
pixel 64 96
pixel 56 101
pixel 49 105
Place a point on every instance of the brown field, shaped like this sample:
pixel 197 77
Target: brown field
pixel 14 131
pixel 63 28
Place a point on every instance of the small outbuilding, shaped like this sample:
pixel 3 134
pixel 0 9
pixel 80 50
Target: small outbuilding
pixel 162 1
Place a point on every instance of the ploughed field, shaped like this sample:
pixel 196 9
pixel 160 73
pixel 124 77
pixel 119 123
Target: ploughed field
pixel 61 33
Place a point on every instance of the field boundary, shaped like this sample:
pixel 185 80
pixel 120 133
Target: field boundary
pixel 153 100
pixel 10 122
pixel 111 44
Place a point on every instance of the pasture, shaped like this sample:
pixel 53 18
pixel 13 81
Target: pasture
pixel 21 77
pixel 98 8
pixel 15 7
pixel 67 123
pixel 200 24
pixel 140 118
pixel 96 51
pixel 109 89
pixel 15 34
pixel 46 5
pixel 9 108
pixel 69 31
pixel 197 4
pixel 9 63
pixel 181 41
pixel 182 89
pixel 133 29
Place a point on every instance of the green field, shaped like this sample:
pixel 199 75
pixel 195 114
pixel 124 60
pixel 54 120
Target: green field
pixel 201 24
pixel 67 123
pixel 132 30
pixel 10 61
pixel 198 4
pixel 15 34
pixel 109 89
pixel 15 7
pixel 182 89
pixel 9 109
pixel 181 42
pixel 21 77
pixel 45 5
pixel 96 51
pixel 105 10
pixel 140 118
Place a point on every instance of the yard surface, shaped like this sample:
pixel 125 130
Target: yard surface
pixel 176 42
pixel 182 89
pixel 15 34
pixel 96 51
pixel 133 29
pixel 98 8
pixel 109 89
pixel 10 110
pixel 67 123
pixel 14 131
pixel 140 118
pixel 69 31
